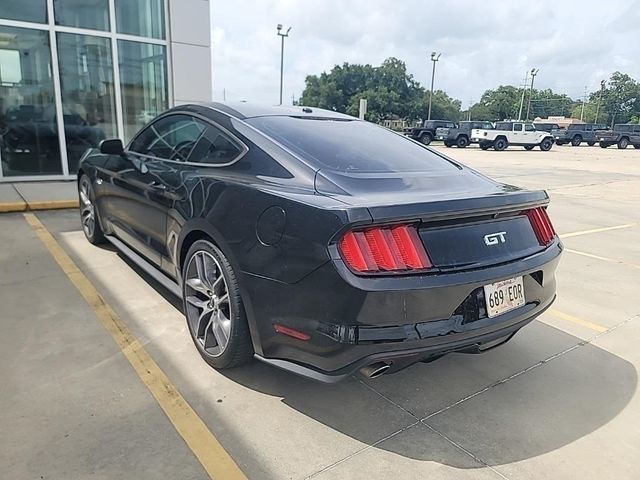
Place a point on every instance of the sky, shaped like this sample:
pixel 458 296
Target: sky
pixel 484 43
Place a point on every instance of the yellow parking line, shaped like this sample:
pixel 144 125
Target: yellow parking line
pixel 598 257
pixel 597 230
pixel 579 321
pixel 204 445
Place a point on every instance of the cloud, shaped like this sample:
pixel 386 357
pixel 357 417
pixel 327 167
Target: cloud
pixel 483 44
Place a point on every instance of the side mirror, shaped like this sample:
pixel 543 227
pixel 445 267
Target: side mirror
pixel 112 146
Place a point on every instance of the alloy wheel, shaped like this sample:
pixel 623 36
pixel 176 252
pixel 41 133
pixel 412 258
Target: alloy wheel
pixel 207 303
pixel 87 209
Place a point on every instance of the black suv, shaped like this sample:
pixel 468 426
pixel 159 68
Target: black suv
pixel 577 133
pixel 622 134
pixel 427 132
pixel 460 136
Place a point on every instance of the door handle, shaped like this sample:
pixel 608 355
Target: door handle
pixel 157 185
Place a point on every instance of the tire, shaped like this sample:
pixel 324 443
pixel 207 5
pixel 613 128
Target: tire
pixel 206 298
pixel 546 144
pixel 576 141
pixel 462 142
pixel 448 144
pixel 623 143
pixel 89 217
pixel 426 138
pixel 485 146
pixel 604 144
pixel 500 144
pixel 591 144
pixel 529 147
pixel 636 146
pixel 559 143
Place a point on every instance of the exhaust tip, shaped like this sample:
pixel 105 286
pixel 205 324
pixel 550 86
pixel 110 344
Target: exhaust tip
pixel 375 369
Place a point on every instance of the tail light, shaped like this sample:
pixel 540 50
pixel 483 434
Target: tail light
pixel 395 248
pixel 541 225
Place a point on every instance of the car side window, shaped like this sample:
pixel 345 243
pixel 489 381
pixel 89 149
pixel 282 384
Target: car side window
pixel 528 128
pixel 214 147
pixel 172 137
pixel 517 127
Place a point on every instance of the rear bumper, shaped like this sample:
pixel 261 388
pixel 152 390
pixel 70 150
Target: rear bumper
pixel 354 321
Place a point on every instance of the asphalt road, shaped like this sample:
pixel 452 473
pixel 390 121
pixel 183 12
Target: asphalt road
pixel 558 401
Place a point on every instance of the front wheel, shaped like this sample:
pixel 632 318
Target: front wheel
pixel 623 143
pixel 462 142
pixel 528 147
pixel 485 146
pixel 448 144
pixel 426 139
pixel 604 144
pixel 89 212
pixel 576 141
pixel 591 144
pixel 637 146
pixel 546 145
pixel 213 307
pixel 500 144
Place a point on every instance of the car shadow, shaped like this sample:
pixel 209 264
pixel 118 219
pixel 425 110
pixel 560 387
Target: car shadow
pixel 537 412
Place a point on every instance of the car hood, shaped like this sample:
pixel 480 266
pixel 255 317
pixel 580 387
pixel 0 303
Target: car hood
pixel 394 195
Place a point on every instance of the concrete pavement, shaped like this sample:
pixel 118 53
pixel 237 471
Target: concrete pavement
pixel 22 196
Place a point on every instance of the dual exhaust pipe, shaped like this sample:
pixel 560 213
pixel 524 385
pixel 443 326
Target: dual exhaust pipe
pixel 375 370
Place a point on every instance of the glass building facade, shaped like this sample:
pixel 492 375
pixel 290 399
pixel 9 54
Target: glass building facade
pixel 73 72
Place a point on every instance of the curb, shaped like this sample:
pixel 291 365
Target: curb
pixel 40 205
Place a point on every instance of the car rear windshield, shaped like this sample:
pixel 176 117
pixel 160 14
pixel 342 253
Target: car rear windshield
pixel 350 145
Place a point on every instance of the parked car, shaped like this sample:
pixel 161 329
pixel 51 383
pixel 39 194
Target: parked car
pixel 576 133
pixel 319 243
pixel 427 132
pixel 623 135
pixel 461 135
pixel 512 133
pixel 546 127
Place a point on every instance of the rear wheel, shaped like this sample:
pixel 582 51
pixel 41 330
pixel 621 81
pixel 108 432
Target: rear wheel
pixel 89 212
pixel 576 141
pixel 546 144
pixel 604 144
pixel 529 147
pixel 426 138
pixel 500 144
pixel 623 143
pixel 213 307
pixel 462 142
pixel 591 144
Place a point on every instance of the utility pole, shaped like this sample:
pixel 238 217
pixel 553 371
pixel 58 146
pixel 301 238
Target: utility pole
pixel 282 36
pixel 602 84
pixel 224 94
pixel 524 88
pixel 584 100
pixel 434 58
pixel 534 72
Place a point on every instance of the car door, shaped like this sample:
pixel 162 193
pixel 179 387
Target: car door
pixel 516 135
pixel 144 185
pixel 529 135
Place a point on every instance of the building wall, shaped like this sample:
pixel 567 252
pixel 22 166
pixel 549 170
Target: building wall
pixel 73 72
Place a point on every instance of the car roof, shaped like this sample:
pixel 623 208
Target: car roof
pixel 244 110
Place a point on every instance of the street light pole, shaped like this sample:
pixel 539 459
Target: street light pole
pixel 282 36
pixel 534 72
pixel 434 58
pixel 602 84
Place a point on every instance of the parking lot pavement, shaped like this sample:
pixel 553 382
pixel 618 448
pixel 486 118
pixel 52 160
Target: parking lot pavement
pixel 558 401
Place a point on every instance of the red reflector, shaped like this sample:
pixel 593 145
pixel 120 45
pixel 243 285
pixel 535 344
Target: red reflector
pixel 541 225
pixel 394 248
pixel 290 332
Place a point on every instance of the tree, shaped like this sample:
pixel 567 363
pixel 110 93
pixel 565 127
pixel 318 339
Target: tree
pixel 389 89
pixel 620 98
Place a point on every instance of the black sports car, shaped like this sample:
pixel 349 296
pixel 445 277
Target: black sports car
pixel 320 243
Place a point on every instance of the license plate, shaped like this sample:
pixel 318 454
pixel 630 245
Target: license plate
pixel 504 296
pixel 440 137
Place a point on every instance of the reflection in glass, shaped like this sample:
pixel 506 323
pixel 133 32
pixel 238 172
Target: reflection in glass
pixel 143 83
pixel 92 14
pixel 24 10
pixel 88 99
pixel 144 18
pixel 28 129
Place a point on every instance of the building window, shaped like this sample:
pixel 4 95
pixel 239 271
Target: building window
pixel 93 14
pixel 143 83
pixel 28 128
pixel 88 98
pixel 144 18
pixel 24 10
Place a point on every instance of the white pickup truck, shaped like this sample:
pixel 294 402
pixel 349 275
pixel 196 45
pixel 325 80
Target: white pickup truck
pixel 512 133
